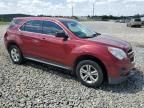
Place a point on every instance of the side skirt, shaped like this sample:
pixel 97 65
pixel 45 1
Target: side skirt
pixel 48 62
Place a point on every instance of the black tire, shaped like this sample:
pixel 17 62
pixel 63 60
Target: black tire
pixel 20 58
pixel 96 66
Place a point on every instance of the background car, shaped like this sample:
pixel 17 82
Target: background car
pixel 134 23
pixel 142 23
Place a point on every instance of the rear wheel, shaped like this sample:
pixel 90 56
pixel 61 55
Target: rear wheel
pixel 15 54
pixel 89 73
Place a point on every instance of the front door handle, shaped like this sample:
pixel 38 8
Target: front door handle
pixel 21 34
pixel 35 41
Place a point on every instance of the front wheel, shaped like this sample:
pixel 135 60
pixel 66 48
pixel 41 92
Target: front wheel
pixel 89 73
pixel 15 54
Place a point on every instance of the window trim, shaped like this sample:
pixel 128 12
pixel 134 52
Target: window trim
pixel 42 26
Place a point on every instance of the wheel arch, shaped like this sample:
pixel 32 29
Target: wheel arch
pixel 11 43
pixel 93 58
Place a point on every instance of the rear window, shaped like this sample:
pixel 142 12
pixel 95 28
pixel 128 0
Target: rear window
pixel 15 22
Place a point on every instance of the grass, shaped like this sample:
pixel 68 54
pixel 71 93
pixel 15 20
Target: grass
pixel 4 23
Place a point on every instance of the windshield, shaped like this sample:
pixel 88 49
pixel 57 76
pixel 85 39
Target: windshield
pixel 79 29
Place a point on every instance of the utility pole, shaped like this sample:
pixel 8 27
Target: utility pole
pixel 72 3
pixel 93 9
pixel 72 9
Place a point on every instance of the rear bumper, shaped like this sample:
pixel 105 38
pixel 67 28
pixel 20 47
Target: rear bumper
pixel 120 79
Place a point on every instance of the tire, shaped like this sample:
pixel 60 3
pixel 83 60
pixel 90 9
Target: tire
pixel 85 77
pixel 15 54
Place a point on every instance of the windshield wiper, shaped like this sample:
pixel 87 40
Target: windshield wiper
pixel 92 36
pixel 96 34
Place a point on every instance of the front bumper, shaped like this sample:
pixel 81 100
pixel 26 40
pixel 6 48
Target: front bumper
pixel 120 71
pixel 120 79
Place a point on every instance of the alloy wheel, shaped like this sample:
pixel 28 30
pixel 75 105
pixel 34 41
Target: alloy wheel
pixel 89 73
pixel 15 55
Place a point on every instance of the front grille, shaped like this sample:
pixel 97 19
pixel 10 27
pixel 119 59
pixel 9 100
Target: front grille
pixel 130 54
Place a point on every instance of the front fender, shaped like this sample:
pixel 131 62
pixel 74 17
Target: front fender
pixel 98 51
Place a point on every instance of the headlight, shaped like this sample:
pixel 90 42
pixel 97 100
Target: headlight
pixel 118 53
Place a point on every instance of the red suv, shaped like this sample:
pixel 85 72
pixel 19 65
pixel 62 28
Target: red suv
pixel 65 43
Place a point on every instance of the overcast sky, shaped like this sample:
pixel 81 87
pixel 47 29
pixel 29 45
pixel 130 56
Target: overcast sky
pixel 81 7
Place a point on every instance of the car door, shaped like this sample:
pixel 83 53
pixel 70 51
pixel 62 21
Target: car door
pixel 30 36
pixel 52 47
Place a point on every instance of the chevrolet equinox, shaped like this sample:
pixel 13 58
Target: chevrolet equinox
pixel 67 44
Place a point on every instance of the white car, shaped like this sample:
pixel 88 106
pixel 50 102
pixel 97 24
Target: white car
pixel 134 23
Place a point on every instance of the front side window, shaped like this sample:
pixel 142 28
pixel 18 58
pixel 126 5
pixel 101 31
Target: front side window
pixel 51 28
pixel 32 26
pixel 79 29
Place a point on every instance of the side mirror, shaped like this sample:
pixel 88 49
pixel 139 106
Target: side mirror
pixel 62 35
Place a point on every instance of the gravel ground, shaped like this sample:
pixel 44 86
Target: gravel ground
pixel 39 85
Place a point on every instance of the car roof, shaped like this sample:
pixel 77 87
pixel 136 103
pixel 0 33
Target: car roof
pixel 45 18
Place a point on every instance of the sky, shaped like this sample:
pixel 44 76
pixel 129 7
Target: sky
pixel 80 7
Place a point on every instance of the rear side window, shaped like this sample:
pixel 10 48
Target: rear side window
pixel 15 22
pixel 51 28
pixel 32 26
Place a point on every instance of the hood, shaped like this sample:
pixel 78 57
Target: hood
pixel 111 41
